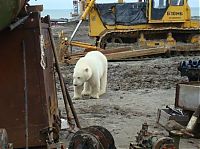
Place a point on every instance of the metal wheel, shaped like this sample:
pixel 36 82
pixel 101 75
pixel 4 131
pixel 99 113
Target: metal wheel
pixel 94 137
pixel 165 142
pixel 116 40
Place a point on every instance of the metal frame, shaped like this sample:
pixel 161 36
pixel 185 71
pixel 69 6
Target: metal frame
pixel 42 107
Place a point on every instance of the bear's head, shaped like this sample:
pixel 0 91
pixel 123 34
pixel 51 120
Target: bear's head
pixel 81 75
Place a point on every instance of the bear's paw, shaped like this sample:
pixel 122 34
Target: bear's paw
pixel 85 93
pixel 94 96
pixel 76 97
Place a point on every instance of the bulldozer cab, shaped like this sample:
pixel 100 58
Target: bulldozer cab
pixel 161 11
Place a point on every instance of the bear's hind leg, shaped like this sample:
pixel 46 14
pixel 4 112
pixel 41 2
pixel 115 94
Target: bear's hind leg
pixel 103 83
pixel 86 91
pixel 77 92
pixel 95 89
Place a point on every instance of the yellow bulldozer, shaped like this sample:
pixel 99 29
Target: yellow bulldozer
pixel 146 23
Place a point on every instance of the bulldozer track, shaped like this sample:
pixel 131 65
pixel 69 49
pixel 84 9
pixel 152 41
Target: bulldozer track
pixel 134 34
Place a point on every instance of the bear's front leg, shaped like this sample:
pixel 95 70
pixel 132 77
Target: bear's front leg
pixel 86 90
pixel 77 92
pixel 103 83
pixel 95 89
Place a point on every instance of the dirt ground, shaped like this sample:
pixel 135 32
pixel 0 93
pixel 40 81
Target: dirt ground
pixel 135 91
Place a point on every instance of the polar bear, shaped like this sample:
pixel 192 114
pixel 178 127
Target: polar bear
pixel 90 75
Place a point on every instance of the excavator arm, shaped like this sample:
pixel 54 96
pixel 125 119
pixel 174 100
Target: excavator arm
pixel 83 17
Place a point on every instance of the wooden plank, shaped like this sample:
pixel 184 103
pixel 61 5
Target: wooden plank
pixel 186 48
pixel 120 54
pixel 135 53
pixel 128 52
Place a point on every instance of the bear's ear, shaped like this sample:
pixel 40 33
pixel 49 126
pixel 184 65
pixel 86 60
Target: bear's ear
pixel 86 69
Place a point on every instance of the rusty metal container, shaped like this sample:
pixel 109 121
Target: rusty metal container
pixel 22 50
pixel 9 9
pixel 188 95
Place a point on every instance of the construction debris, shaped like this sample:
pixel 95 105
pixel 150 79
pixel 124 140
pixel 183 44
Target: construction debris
pixel 186 112
pixel 124 52
pixel 148 140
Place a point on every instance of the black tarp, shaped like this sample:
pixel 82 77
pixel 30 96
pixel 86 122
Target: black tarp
pixel 122 14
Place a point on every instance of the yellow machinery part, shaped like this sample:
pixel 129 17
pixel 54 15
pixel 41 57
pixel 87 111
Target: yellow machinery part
pixel 176 18
pixel 174 24
pixel 94 22
pixel 195 39
pixel 169 42
pixel 173 14
pixel 87 10
pixel 120 1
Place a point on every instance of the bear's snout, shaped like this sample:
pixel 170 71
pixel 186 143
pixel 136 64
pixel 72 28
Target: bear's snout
pixel 75 85
pixel 75 82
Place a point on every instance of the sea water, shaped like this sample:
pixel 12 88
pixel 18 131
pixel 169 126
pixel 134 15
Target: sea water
pixel 57 13
pixel 195 11
pixel 66 13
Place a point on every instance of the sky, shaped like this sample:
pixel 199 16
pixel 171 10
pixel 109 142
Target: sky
pixel 67 4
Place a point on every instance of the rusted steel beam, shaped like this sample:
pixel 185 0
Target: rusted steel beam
pixel 67 99
pixel 25 96
pixel 73 109
pixel 69 118
pixel 42 100
pixel 35 8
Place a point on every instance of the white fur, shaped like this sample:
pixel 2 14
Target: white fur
pixel 90 75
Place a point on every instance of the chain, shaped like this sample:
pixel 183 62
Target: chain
pixel 42 62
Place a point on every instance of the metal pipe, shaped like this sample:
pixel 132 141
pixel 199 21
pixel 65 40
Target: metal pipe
pixel 87 10
pixel 82 45
pixel 25 94
pixel 19 22
pixel 174 110
pixel 83 17
pixel 76 29
pixel 60 78
pixel 66 96
pixel 73 34
pixel 72 109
